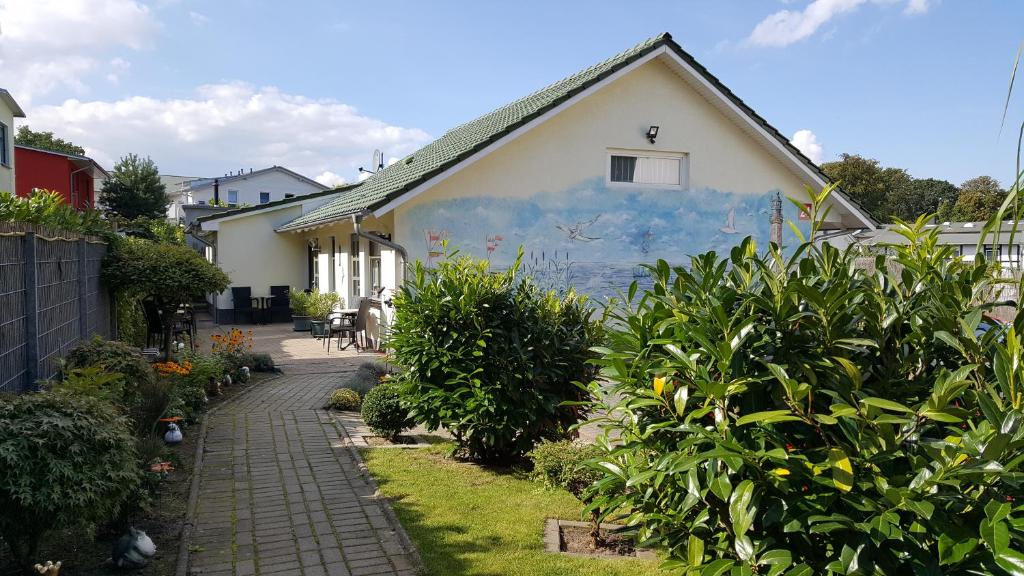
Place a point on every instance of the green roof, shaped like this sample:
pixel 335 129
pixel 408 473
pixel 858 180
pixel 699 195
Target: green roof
pixel 467 139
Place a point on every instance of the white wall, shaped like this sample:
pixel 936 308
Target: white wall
pixel 7 172
pixel 275 182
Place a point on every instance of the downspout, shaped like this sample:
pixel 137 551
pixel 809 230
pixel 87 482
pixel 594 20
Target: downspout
pixel 357 220
pixel 71 183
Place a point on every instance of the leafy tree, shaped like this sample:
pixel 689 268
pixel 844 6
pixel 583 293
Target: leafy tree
pixel 979 199
pixel 134 189
pixel 772 414
pixel 168 273
pixel 866 181
pixel 46 141
pixel 918 197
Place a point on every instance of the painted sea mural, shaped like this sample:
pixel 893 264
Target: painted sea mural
pixel 592 236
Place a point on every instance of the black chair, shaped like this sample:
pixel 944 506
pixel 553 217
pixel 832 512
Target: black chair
pixel 242 303
pixel 338 324
pixel 357 327
pixel 280 310
pixel 154 328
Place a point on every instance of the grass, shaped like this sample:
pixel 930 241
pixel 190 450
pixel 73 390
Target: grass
pixel 466 519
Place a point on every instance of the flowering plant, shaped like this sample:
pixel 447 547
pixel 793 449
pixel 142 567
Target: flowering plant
pixel 173 368
pixel 235 341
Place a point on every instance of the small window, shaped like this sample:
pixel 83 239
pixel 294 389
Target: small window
pixel 233 197
pixel 264 197
pixel 202 202
pixel 357 287
pixel 4 152
pixel 375 267
pixel 289 195
pixel 654 170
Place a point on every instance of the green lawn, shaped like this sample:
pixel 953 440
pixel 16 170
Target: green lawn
pixel 466 519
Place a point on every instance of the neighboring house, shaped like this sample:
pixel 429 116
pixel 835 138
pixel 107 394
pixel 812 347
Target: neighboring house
pixel 252 188
pixel 9 110
pixel 643 156
pixel 72 175
pixel 178 190
pixel 964 237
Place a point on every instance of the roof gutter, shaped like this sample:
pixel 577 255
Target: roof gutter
pixel 357 220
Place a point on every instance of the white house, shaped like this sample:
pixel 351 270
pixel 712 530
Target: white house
pixel 9 110
pixel 251 188
pixel 963 238
pixel 178 190
pixel 643 156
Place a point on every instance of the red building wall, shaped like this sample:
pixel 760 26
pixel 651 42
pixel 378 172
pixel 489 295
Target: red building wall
pixel 36 169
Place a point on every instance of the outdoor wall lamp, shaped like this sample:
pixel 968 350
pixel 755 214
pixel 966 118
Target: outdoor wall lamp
pixel 652 133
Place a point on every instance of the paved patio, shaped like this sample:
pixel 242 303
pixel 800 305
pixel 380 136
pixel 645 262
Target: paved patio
pixel 280 490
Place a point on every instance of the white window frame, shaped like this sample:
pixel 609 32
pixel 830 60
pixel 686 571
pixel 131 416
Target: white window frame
pixel 235 203
pixel 684 167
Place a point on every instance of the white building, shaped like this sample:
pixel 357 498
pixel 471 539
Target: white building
pixel 178 189
pixel 251 188
pixel 9 110
pixel 964 238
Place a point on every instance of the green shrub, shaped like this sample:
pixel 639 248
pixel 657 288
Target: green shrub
pixel 344 399
pixel 92 381
pixel 259 362
pixel 491 357
pixel 315 304
pixel 116 357
pixel 64 459
pixel 808 415
pixel 384 413
pixel 562 464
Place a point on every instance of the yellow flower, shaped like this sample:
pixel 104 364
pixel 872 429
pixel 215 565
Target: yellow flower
pixel 780 472
pixel 659 385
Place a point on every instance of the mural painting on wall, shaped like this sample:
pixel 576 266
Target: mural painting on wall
pixel 593 236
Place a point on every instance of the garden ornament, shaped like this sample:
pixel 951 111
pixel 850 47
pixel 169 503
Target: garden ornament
pixel 173 434
pixel 48 569
pixel 245 374
pixel 133 550
pixel 227 379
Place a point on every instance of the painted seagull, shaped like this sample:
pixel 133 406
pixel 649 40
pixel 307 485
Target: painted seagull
pixel 730 223
pixel 575 232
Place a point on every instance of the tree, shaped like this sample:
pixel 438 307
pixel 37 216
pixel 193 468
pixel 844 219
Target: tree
pixel 134 189
pixel 46 141
pixel 919 196
pixel 978 200
pixel 168 273
pixel 865 181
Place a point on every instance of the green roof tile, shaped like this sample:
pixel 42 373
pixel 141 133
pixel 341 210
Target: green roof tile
pixel 465 140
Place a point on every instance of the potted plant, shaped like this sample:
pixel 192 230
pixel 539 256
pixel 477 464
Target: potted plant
pixel 300 302
pixel 321 304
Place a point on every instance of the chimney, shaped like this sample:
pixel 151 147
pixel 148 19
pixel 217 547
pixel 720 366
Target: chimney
pixel 216 191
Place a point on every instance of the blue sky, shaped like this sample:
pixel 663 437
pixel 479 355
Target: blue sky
pixel 208 87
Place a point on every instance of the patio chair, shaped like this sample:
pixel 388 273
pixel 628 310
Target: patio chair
pixel 337 323
pixel 242 302
pixel 358 326
pixel 280 310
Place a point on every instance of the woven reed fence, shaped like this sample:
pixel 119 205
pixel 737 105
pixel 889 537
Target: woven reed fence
pixel 51 299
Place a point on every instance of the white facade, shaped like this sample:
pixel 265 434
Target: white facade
pixel 178 189
pixel 9 110
pixel 254 188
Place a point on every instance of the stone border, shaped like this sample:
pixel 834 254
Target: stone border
pixel 553 540
pixel 193 494
pixel 389 513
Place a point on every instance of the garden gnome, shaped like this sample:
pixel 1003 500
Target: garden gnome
pixel 173 434
pixel 49 569
pixel 133 550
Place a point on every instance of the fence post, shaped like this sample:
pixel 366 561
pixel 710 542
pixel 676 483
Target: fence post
pixel 31 313
pixel 83 289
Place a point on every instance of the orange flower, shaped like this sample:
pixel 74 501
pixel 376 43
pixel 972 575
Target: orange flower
pixel 161 467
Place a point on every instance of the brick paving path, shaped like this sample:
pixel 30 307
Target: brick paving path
pixel 280 492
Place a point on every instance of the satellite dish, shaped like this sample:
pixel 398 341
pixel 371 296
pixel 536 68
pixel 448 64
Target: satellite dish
pixel 378 160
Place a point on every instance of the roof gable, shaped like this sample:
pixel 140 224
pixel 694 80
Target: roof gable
pixel 461 145
pixel 200 183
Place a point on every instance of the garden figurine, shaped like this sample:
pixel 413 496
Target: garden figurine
pixel 48 569
pixel 173 434
pixel 244 377
pixel 133 550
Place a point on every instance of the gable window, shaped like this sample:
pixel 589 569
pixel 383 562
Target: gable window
pixel 662 169
pixel 233 197
pixel 264 197
pixel 4 152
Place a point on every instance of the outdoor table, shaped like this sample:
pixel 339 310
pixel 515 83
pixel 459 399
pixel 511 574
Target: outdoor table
pixel 263 305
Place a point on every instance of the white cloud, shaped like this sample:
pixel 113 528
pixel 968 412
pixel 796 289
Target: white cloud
pixel 118 66
pixel 328 178
pixel 807 142
pixel 915 7
pixel 786 27
pixel 46 44
pixel 198 18
pixel 226 126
